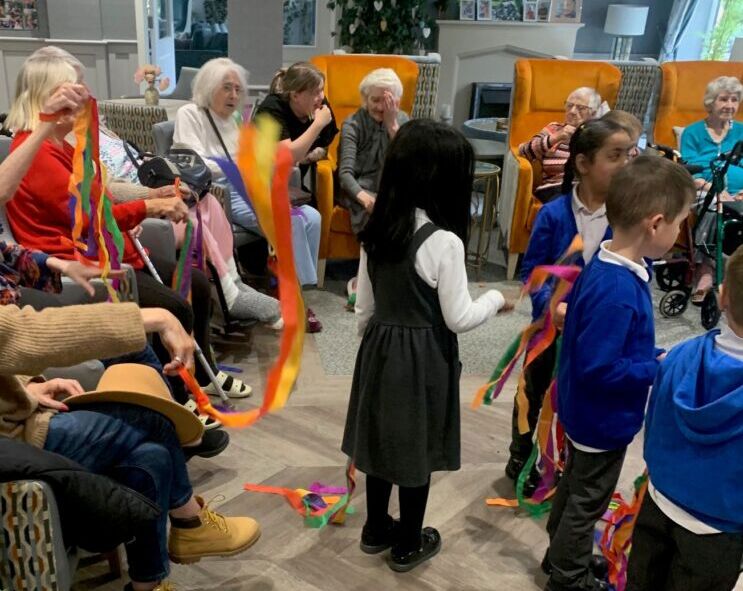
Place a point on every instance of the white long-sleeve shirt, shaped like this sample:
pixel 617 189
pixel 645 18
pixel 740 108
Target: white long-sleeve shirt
pixel 440 263
pixel 193 130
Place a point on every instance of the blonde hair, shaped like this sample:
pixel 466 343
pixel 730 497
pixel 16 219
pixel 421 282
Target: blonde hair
pixel 38 79
pixel 385 78
pixel 211 75
pixel 719 85
pixel 296 78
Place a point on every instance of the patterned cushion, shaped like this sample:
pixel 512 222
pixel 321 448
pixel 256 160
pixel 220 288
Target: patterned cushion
pixel 32 556
pixel 638 89
pixel 133 122
pixel 426 92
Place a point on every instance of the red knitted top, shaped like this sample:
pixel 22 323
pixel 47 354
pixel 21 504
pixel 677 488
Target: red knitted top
pixel 39 214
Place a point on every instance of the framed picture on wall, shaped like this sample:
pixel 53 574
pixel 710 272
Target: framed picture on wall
pixel 537 10
pixel 566 11
pixel 484 10
pixel 467 10
pixel 19 15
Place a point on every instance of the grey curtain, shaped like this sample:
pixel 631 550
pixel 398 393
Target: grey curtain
pixel 678 22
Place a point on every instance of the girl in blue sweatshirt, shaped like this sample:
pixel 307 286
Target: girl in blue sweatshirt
pixel 598 149
pixel 608 359
pixel 689 533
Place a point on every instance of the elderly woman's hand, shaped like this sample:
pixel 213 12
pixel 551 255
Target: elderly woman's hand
pixel 565 134
pixel 81 273
pixel 391 110
pixel 367 200
pixel 66 101
pixel 172 208
pixel 176 340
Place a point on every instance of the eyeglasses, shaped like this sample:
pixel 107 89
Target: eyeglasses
pixel 579 108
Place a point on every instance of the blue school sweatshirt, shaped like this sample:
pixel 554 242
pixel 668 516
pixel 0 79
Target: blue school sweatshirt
pixel 608 357
pixel 694 432
pixel 553 231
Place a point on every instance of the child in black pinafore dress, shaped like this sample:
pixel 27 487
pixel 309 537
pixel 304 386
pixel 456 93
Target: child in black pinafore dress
pixel 412 299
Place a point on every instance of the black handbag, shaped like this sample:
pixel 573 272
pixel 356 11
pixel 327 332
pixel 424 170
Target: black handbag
pixel 161 171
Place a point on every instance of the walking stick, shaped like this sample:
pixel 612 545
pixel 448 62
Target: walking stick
pixel 199 353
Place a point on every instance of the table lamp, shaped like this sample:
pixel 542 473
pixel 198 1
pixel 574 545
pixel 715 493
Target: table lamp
pixel 624 21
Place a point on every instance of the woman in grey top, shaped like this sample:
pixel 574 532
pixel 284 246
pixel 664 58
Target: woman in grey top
pixel 365 136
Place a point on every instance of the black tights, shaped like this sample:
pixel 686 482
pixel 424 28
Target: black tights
pixel 413 502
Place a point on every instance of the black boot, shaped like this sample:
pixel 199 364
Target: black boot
pixel 513 470
pixel 514 467
pixel 212 443
pixel 599 566
pixel 374 542
pixel 404 561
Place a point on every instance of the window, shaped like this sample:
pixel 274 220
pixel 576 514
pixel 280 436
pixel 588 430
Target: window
pixel 727 25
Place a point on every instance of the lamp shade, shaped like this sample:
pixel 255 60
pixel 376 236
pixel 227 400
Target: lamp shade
pixel 626 20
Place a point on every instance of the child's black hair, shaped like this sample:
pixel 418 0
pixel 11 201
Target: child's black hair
pixel 429 166
pixel 587 140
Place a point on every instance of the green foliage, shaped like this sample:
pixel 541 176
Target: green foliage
pixel 384 26
pixel 719 40
pixel 215 11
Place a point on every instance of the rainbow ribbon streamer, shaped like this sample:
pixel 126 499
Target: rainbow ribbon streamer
pixel 263 167
pixel 616 541
pixel 90 202
pixel 319 505
pixel 530 343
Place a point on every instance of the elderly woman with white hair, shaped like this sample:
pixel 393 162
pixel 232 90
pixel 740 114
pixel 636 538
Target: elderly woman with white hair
pixel 701 143
pixel 551 146
pixel 209 125
pixel 365 136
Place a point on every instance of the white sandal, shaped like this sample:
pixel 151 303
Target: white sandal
pixel 237 388
pixel 208 422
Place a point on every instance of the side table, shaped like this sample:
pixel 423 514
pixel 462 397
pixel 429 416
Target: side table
pixel 484 217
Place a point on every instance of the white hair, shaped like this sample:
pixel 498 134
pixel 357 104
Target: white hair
pixel 727 84
pixel 211 75
pixel 590 94
pixel 385 78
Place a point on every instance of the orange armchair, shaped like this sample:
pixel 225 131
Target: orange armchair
pixel 343 74
pixel 539 92
pixel 682 95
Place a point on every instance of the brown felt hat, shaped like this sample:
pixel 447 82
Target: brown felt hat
pixel 141 385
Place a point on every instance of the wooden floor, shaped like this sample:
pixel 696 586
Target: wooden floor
pixel 483 547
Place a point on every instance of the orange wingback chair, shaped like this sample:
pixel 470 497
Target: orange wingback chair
pixel 343 74
pixel 539 93
pixel 682 95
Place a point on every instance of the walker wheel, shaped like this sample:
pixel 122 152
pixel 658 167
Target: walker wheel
pixel 710 310
pixel 673 303
pixel 670 276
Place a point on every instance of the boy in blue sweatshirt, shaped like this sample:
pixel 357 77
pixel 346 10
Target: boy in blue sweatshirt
pixel 608 359
pixel 689 533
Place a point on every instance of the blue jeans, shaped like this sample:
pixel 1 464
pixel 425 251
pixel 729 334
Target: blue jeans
pixel 306 225
pixel 138 448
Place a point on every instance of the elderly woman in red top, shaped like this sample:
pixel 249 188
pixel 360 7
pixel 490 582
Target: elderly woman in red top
pixel 39 214
pixel 551 146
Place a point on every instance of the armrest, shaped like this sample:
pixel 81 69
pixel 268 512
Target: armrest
pixel 324 197
pixel 88 373
pixel 72 293
pixel 522 208
pixel 158 237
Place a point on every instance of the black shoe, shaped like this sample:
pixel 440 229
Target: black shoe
pixel 514 467
pixel 403 562
pixel 212 444
pixel 599 567
pixel 374 542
